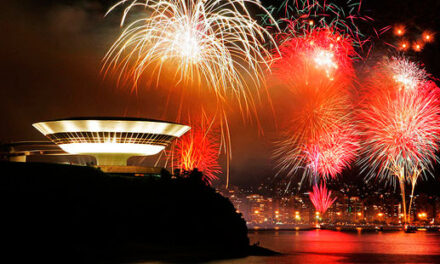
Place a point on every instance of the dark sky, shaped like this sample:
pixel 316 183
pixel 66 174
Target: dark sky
pixel 51 54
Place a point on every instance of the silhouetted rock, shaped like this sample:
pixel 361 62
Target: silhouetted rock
pixel 80 213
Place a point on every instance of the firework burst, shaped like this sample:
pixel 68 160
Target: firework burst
pixel 332 153
pixel 208 49
pixel 210 44
pixel 320 141
pixel 400 118
pixel 322 51
pixel 319 137
pixel 321 198
pixel 198 149
pixel 400 123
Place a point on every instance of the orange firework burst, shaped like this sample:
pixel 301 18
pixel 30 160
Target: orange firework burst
pixel 321 198
pixel 198 149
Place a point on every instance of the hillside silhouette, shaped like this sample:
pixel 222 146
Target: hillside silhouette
pixel 75 213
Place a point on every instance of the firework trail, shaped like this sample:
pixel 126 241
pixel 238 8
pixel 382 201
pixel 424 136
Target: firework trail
pixel 198 149
pixel 214 47
pixel 321 198
pixel 320 138
pixel 399 123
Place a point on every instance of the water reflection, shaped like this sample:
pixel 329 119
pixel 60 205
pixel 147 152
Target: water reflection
pixel 324 246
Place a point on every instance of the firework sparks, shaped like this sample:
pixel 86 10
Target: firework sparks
pixel 418 46
pixel 403 45
pixel 428 36
pixel 321 152
pixel 198 149
pixel 399 30
pixel 400 122
pixel 407 75
pixel 300 18
pixel 321 198
pixel 418 39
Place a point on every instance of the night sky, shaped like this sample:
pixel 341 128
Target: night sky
pixel 50 68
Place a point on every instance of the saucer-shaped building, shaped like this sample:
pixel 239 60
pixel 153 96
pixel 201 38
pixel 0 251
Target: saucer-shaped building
pixel 111 140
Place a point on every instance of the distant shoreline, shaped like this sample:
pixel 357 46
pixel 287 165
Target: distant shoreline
pixel 339 228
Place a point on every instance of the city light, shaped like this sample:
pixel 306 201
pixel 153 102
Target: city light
pixel 422 215
pixel 108 148
pixel 317 215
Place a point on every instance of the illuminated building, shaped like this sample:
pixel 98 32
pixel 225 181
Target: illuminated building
pixel 111 140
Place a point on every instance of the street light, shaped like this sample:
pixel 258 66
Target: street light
pixel 317 215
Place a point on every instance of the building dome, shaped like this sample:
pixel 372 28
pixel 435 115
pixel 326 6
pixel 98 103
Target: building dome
pixel 111 140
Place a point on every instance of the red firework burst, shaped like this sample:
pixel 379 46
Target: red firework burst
pixel 400 120
pixel 321 198
pixel 317 71
pixel 323 51
pixel 332 153
pixel 198 149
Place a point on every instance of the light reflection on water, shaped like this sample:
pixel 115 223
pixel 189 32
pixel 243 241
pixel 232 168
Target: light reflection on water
pixel 324 246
